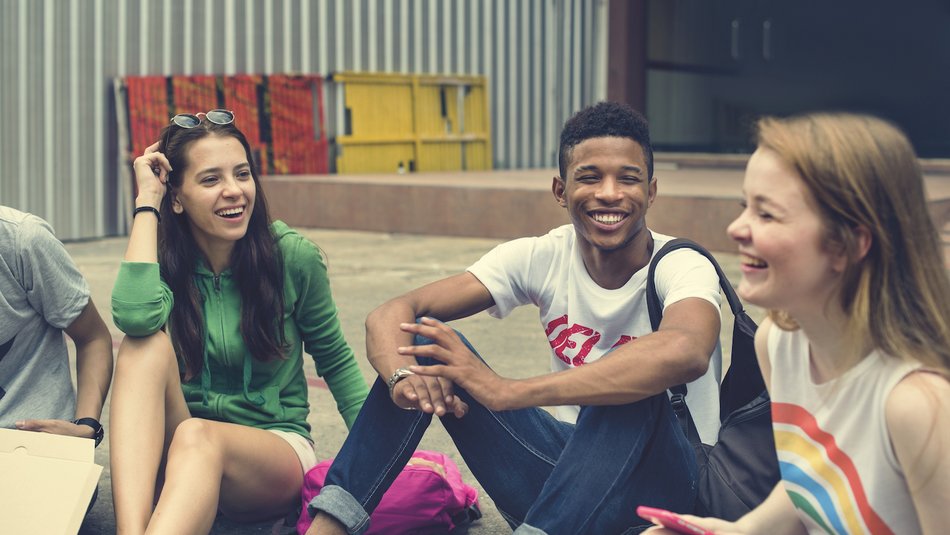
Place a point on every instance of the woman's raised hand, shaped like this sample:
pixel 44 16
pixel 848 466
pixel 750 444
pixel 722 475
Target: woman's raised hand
pixel 151 173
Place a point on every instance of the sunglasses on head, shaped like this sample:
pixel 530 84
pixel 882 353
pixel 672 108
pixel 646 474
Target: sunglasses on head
pixel 188 120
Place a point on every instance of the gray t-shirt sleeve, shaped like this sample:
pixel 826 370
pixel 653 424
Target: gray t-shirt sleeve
pixel 53 284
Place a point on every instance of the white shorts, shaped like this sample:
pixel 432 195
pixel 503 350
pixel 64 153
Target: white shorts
pixel 302 447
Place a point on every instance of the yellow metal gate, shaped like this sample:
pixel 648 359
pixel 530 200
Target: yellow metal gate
pixel 413 122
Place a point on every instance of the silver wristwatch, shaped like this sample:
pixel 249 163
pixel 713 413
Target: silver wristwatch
pixel 398 375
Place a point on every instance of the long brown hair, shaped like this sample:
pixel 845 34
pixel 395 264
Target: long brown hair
pixel 861 171
pixel 256 263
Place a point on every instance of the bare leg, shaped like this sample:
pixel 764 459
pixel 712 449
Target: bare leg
pixel 147 405
pixel 249 473
pixel 324 524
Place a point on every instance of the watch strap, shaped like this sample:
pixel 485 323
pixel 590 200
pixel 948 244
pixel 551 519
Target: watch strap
pixel 94 424
pixel 398 375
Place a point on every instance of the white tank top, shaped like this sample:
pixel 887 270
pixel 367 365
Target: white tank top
pixel 837 463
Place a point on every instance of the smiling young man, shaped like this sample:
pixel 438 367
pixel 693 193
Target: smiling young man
pixel 615 443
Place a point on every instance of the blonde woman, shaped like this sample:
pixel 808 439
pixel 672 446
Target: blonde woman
pixel 835 239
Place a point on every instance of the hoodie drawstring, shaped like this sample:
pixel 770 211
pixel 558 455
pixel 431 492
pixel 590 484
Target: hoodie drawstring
pixel 205 372
pixel 257 398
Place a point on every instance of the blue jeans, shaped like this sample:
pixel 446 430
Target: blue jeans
pixel 544 475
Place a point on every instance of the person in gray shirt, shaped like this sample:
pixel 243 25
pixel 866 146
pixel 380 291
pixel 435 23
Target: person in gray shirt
pixel 42 295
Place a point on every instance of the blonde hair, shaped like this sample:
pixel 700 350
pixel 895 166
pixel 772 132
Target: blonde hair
pixel 861 171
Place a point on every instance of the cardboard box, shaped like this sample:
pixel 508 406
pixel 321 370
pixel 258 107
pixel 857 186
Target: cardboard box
pixel 46 482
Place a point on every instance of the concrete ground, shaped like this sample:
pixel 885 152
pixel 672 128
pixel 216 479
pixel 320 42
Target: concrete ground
pixel 366 268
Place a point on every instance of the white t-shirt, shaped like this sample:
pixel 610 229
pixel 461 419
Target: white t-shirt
pixel 583 321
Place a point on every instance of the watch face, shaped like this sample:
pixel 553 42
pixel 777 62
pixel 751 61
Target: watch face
pixel 400 373
pixel 397 376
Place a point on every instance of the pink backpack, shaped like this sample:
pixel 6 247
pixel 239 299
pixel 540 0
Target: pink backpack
pixel 427 497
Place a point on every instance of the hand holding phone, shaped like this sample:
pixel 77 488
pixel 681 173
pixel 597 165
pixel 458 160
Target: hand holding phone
pixel 670 520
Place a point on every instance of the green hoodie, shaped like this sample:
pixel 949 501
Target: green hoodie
pixel 234 386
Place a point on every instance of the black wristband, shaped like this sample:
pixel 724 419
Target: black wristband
pixel 152 209
pixel 97 429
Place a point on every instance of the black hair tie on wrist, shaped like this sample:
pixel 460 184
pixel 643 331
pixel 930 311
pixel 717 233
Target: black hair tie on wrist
pixel 152 209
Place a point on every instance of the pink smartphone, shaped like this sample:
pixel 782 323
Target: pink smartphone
pixel 670 520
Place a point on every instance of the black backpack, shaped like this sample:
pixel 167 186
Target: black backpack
pixel 740 471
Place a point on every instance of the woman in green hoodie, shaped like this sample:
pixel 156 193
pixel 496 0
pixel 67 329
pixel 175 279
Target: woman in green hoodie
pixel 211 413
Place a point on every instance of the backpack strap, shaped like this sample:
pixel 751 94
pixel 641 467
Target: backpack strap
pixel 678 392
pixel 653 301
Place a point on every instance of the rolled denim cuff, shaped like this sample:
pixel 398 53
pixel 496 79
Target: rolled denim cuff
pixel 341 505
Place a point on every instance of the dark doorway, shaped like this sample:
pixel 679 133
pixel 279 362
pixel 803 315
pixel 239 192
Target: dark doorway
pixel 707 68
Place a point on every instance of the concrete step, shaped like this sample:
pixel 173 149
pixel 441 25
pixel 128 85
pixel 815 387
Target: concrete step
pixel 694 200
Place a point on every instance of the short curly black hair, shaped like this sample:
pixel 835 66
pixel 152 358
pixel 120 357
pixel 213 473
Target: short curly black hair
pixel 605 119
